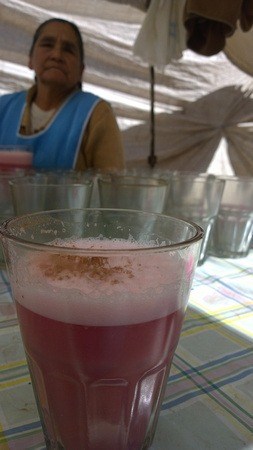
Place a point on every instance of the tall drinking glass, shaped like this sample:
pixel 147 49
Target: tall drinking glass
pixel 100 303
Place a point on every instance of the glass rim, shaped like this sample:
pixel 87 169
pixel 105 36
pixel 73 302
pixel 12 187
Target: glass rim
pixel 205 180
pixel 236 179
pixel 121 180
pixel 12 174
pixel 199 232
pixel 21 181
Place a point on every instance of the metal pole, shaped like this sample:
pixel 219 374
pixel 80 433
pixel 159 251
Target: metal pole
pixel 152 157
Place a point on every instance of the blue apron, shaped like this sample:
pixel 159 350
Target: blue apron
pixel 57 146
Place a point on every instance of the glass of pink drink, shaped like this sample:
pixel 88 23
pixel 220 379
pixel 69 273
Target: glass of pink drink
pixel 101 296
pixel 15 157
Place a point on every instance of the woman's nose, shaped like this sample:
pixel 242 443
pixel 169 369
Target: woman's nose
pixel 57 52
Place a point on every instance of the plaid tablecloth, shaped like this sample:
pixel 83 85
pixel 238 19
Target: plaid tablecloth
pixel 208 403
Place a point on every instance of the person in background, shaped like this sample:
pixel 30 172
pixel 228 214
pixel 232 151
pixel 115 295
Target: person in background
pixel 65 127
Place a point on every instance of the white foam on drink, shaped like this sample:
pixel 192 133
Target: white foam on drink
pixel 97 290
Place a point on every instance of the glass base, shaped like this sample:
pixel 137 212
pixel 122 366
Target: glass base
pixel 229 254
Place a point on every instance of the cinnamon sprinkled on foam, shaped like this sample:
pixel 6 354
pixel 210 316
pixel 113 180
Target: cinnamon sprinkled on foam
pixel 62 267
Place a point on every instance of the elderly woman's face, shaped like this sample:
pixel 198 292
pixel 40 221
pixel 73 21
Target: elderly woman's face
pixel 55 58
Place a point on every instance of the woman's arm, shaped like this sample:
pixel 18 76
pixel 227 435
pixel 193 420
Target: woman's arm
pixel 101 146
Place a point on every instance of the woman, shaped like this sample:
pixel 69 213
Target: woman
pixel 65 127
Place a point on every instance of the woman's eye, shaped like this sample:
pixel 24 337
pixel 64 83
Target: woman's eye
pixel 46 44
pixel 69 49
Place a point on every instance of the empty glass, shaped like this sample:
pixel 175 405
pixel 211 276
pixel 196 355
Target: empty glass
pixel 132 192
pixel 233 228
pixel 6 205
pixel 47 191
pixel 197 198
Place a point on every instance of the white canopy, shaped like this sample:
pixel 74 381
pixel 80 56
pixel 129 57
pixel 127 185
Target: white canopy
pixel 200 101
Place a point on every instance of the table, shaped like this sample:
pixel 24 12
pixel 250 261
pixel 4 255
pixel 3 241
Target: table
pixel 208 404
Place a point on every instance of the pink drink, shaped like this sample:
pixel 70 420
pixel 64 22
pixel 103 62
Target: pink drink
pixel 88 378
pixel 13 159
pixel 99 351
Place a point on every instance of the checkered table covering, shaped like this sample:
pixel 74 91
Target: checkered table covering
pixel 208 404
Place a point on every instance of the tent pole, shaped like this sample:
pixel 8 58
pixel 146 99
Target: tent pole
pixel 152 157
